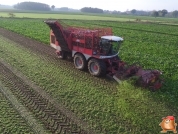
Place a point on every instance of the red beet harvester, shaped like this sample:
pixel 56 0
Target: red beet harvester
pixel 97 50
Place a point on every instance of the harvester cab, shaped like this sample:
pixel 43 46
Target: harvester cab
pixel 109 45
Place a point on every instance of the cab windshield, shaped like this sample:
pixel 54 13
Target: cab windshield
pixel 109 47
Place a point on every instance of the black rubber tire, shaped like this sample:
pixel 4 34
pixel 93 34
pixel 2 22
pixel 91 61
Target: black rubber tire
pixel 100 65
pixel 84 62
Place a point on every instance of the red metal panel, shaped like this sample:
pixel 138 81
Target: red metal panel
pixel 69 40
pixel 88 51
pixel 75 48
pixel 82 50
pixel 56 42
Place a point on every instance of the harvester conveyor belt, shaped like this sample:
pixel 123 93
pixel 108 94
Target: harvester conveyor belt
pixel 57 30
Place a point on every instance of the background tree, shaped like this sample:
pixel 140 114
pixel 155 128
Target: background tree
pixel 64 9
pixel 133 11
pixel 164 12
pixel 32 6
pixel 115 12
pixel 175 13
pixel 155 13
pixel 160 13
pixel 91 10
pixel 53 7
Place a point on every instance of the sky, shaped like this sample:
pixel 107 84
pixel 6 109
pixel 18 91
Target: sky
pixel 119 5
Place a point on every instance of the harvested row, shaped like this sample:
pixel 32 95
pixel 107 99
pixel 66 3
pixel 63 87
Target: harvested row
pixel 53 120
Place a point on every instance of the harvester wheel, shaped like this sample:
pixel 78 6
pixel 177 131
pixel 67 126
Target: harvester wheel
pixel 80 62
pixel 97 67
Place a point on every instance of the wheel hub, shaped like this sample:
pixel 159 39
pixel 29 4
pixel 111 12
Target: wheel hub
pixel 79 62
pixel 94 68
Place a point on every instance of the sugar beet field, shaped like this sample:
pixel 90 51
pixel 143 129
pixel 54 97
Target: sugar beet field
pixel 60 99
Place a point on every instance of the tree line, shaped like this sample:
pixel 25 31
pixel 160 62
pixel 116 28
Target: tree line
pixel 36 6
pixel 175 13
pixel 91 10
pixel 32 6
pixel 159 13
pixel 163 13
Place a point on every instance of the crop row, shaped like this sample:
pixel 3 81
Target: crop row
pixel 38 30
pixel 35 29
pixel 132 35
pixel 147 27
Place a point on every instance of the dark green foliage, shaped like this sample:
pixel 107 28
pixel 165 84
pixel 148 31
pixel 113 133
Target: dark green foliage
pixel 32 6
pixel 175 13
pixel 133 11
pixel 91 10
pixel 155 13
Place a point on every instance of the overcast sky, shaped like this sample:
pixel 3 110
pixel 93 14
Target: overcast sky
pixel 119 5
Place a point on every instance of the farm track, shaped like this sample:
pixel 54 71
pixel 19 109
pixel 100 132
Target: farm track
pixel 53 119
pixel 48 53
